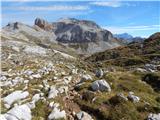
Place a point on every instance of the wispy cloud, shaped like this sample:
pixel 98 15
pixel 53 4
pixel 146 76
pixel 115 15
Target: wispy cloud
pixel 107 3
pixel 114 29
pixel 49 8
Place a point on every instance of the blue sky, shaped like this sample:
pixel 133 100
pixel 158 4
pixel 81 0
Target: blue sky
pixel 138 18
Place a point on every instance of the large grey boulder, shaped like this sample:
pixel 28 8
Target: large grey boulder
pixel 101 85
pixel 83 116
pixel 152 116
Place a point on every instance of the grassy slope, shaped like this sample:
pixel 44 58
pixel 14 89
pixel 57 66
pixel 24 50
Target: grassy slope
pixel 132 54
pixel 105 107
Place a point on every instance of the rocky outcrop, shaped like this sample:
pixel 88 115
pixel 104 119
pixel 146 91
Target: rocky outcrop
pixel 43 24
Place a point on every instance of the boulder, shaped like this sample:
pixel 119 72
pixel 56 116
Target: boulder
pixel 101 85
pixel 83 116
pixel 152 116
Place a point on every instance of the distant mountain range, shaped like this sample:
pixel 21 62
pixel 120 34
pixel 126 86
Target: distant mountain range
pixel 128 38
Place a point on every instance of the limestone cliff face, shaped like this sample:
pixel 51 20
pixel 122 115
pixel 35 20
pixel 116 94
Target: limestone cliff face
pixel 83 36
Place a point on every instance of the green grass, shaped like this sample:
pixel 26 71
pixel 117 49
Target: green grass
pixel 107 107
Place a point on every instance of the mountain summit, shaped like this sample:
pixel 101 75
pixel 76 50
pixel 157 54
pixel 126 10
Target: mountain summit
pixel 83 36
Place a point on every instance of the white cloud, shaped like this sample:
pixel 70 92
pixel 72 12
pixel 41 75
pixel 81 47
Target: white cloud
pixel 128 29
pixel 107 3
pixel 49 8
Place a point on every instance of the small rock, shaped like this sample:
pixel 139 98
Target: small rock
pixel 53 92
pixel 57 114
pixel 133 98
pixel 121 95
pixel 99 73
pixel 83 116
pixel 36 76
pixel 36 97
pixel 3 78
pixel 28 72
pixel 141 70
pixel 85 78
pixel 51 104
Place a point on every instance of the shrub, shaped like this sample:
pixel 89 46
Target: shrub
pixel 153 79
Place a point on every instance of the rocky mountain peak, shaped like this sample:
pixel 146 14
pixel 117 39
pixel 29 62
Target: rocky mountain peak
pixel 87 23
pixel 14 25
pixel 43 24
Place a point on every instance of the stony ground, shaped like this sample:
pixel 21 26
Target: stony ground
pixel 39 83
pixel 37 88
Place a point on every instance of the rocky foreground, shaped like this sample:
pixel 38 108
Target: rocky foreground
pixel 33 87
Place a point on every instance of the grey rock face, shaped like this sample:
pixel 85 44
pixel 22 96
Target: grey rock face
pixel 79 31
pixel 82 35
pixel 101 85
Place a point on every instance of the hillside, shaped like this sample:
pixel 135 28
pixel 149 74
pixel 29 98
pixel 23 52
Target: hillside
pixel 132 54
